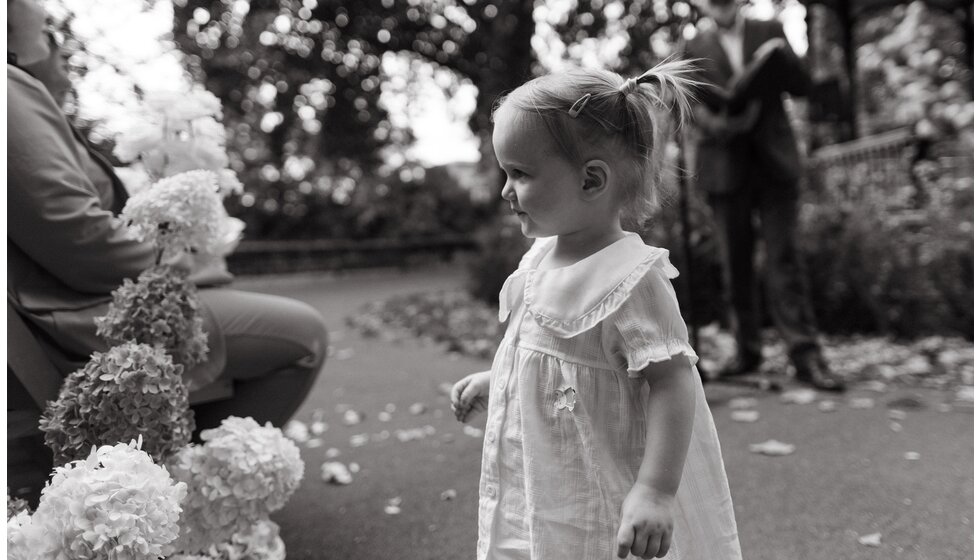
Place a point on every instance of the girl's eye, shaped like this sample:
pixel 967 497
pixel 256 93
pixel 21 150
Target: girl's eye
pixel 518 174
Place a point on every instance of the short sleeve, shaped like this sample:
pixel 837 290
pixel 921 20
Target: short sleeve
pixel 648 327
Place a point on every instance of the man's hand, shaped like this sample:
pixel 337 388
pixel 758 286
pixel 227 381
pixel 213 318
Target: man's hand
pixel 470 394
pixel 647 523
pixel 769 46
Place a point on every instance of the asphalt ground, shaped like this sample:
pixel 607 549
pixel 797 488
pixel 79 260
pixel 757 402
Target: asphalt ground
pixel 850 476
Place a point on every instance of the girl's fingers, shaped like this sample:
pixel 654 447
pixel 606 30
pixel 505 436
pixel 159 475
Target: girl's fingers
pixel 664 544
pixel 624 539
pixel 458 389
pixel 652 546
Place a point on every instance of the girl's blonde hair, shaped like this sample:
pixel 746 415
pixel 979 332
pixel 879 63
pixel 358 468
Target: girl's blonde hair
pixel 626 122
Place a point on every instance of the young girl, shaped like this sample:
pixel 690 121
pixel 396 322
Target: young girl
pixel 595 407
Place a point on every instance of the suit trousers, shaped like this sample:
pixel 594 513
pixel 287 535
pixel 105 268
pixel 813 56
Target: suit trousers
pixel 763 206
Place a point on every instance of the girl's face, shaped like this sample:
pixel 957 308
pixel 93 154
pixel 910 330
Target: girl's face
pixel 543 188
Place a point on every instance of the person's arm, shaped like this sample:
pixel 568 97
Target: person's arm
pixel 646 525
pixel 798 81
pixel 54 214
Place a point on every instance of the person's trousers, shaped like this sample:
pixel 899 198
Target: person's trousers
pixel 275 347
pixel 766 208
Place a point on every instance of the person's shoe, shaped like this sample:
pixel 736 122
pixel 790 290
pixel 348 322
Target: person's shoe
pixel 743 364
pixel 812 369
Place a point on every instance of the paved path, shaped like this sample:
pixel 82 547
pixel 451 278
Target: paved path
pixel 848 476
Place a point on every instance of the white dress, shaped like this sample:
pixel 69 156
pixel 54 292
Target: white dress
pixel 566 425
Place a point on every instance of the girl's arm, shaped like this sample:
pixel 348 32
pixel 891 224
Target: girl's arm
pixel 647 524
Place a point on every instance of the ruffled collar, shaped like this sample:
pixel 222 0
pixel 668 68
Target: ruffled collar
pixel 572 299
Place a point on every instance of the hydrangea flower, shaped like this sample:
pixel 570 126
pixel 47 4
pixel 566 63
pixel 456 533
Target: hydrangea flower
pixel 259 542
pixel 241 474
pixel 115 504
pixel 130 390
pixel 178 213
pixel 178 106
pixel 160 308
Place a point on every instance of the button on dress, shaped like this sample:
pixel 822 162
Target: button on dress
pixel 566 424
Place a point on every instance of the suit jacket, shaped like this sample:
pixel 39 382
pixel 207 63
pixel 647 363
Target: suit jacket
pixel 722 166
pixel 66 252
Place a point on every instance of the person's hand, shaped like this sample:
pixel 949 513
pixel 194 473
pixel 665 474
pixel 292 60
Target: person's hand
pixel 769 46
pixel 647 523
pixel 470 394
pixel 744 121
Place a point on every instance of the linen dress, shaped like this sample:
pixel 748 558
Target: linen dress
pixel 566 424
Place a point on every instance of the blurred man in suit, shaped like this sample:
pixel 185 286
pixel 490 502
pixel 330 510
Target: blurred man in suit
pixel 748 165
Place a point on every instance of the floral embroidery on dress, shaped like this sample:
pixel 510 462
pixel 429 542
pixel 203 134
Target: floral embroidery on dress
pixel 566 398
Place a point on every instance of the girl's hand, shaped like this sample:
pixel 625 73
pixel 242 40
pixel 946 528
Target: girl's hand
pixel 470 394
pixel 647 523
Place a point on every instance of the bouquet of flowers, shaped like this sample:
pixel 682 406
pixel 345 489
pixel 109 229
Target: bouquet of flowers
pixel 132 390
pixel 115 504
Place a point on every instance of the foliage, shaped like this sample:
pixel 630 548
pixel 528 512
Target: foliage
pixel 241 474
pixel 131 390
pixel 160 309
pixel 892 258
pixel 911 71
pixel 115 504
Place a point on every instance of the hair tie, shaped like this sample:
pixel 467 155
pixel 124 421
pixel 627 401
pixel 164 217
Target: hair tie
pixel 629 86
pixel 579 105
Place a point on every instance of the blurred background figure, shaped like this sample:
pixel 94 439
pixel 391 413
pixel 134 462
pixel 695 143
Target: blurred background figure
pixel 749 167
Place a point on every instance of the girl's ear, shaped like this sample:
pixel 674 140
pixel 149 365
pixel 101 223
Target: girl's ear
pixel 596 179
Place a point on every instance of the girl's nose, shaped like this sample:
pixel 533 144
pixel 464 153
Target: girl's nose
pixel 508 192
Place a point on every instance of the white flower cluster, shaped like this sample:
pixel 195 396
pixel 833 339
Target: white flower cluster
pixel 177 131
pixel 260 542
pixel 179 213
pixel 241 474
pixel 114 504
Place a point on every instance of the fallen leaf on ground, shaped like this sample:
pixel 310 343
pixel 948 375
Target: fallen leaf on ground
pixel 344 354
pixel 741 403
pixel 384 416
pixel 861 402
pixel 745 415
pixel 394 506
pixel 354 468
pixel 332 453
pixel 472 432
pixel 313 443
pixel 335 473
pixel 965 394
pixel 352 417
pixel 895 414
pixel 318 427
pixel 912 456
pixel 448 495
pixel 826 406
pixel 772 448
pixel 359 440
pixel 417 408
pixel 874 539
pixel 798 396
pixel 895 427
pixel 446 388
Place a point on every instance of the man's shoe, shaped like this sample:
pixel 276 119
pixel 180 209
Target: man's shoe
pixel 743 364
pixel 812 369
